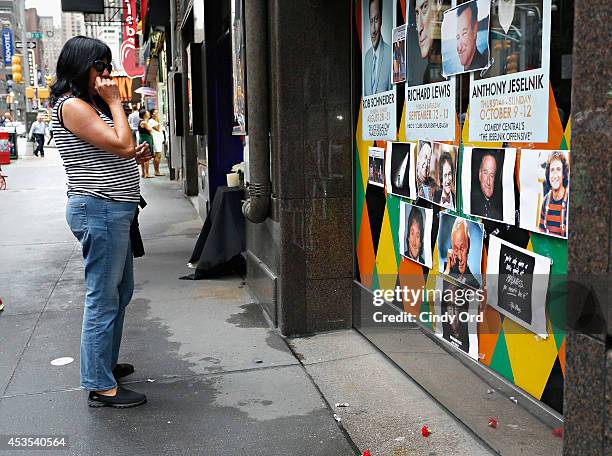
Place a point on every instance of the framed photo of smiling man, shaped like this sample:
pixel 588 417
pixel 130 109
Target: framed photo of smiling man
pixel 488 183
pixel 465 38
pixel 460 249
pixel 544 202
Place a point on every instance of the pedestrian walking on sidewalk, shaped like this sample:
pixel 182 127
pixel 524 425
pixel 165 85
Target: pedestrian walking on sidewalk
pixel 94 139
pixel 145 134
pixel 158 140
pixel 134 120
pixel 50 128
pixel 37 132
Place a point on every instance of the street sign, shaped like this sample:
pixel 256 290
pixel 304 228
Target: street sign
pixel 31 62
pixel 34 35
pixel 7 45
pixel 29 45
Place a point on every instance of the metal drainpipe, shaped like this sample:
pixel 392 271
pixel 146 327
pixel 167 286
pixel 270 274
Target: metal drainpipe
pixel 256 207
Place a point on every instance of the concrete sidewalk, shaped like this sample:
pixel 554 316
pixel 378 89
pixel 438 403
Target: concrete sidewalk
pixel 219 380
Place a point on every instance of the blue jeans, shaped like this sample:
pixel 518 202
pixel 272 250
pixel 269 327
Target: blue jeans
pixel 103 228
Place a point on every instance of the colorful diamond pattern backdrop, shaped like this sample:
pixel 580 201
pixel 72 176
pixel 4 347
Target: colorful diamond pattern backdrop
pixel 533 364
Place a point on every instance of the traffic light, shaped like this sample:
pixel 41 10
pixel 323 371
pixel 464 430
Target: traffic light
pixel 17 69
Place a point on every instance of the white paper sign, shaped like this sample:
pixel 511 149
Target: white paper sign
pixel 517 284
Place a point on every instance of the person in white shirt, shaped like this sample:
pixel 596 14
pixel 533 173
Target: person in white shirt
pixel 134 121
pixel 37 132
pixel 158 139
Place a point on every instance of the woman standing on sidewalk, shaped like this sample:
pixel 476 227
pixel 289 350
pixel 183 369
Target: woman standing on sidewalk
pixel 95 143
pixel 145 133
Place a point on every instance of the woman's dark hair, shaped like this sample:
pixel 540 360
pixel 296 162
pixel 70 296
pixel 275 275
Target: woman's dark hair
pixel 73 65
pixel 416 216
pixel 142 113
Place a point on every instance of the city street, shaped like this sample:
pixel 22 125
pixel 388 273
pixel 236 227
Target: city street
pixel 219 380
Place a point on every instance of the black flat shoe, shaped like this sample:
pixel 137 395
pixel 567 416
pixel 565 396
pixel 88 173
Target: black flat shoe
pixel 122 370
pixel 123 399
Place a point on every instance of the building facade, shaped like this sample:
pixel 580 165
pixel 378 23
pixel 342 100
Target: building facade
pixel 73 24
pixel 12 16
pixel 329 228
pixel 52 44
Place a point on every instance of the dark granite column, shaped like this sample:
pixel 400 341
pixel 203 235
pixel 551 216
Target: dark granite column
pixel 311 139
pixel 588 373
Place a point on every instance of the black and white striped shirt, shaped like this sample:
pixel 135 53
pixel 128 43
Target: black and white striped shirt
pixel 93 171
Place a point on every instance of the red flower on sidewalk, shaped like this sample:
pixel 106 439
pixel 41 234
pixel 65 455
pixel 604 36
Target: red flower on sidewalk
pixel 493 423
pixel 558 432
pixel 366 453
pixel 425 431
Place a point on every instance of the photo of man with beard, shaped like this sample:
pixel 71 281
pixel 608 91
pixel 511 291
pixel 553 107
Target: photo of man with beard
pixel 486 195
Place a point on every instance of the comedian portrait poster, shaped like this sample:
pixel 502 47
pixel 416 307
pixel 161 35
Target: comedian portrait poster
pixel 379 93
pixel 509 100
pixel 457 308
pixel 430 98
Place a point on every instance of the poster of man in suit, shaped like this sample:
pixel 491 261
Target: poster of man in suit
pixel 379 94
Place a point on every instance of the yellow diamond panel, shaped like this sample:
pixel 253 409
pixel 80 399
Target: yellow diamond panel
pixel 531 357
